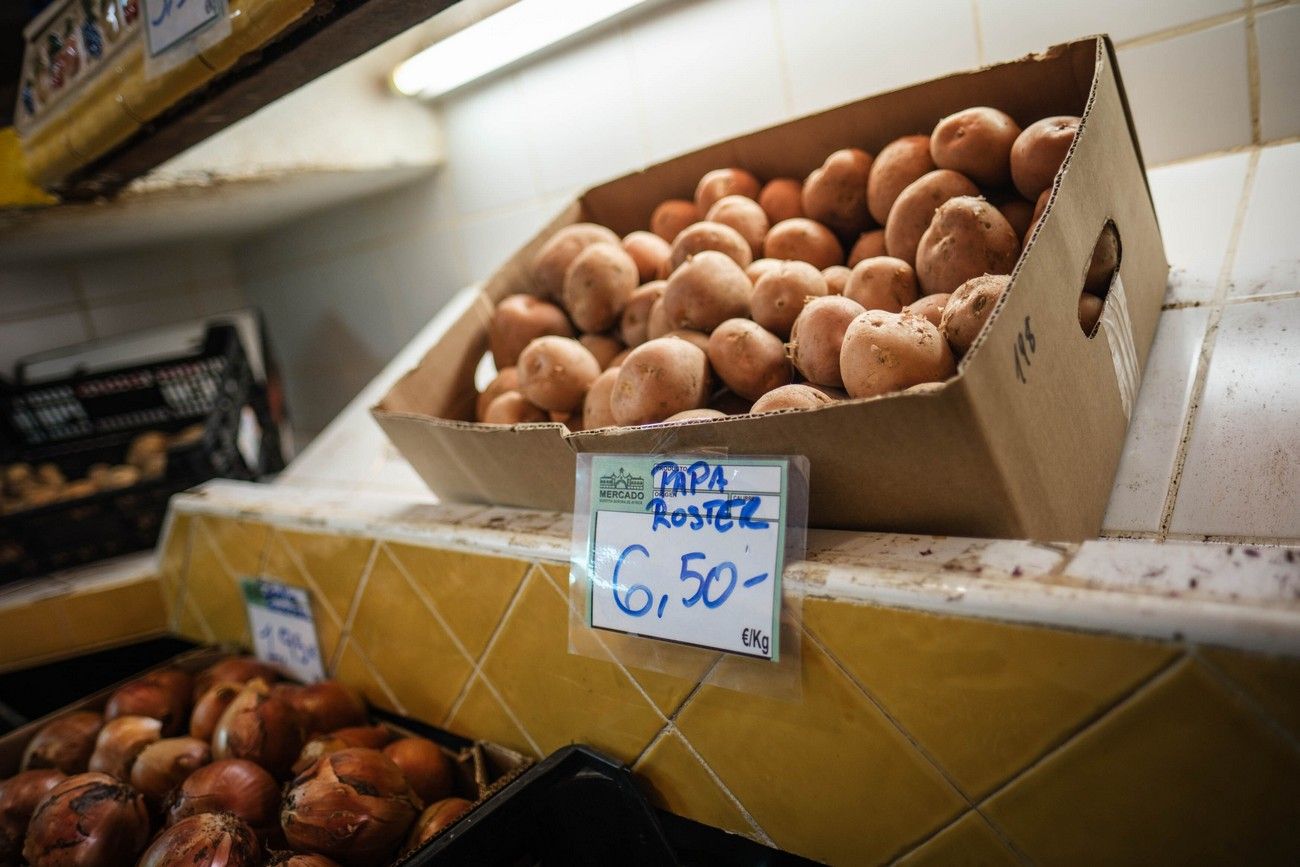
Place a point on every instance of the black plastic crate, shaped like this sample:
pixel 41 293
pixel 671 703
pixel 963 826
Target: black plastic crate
pixel 92 418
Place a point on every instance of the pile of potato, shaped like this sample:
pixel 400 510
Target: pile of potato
pixel 745 299
pixel 23 486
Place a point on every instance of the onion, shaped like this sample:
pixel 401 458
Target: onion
pixel 88 820
pixel 300 859
pixel 209 708
pixel 19 797
pixel 65 743
pixel 436 817
pixel 353 805
pixel 259 727
pixel 235 669
pixel 425 766
pixel 326 706
pixel 229 786
pixel 372 737
pixel 163 695
pixel 164 765
pixel 120 741
pixel 206 840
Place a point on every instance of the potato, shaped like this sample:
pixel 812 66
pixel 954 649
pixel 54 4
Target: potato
pixel 781 293
pixel 597 286
pixel 555 372
pixel 689 414
pixel 636 313
pixel 898 164
pixel 759 267
pixel 968 237
pixel 553 258
pixel 728 402
pixel 969 308
pixel 791 397
pixel 745 216
pixel 596 409
pixel 1040 206
pixel 699 237
pixel 1038 152
pixel 836 194
pixel 670 217
pixel 1105 259
pixel 660 378
pixel 805 240
pixel 699 338
pixel 837 277
pixel 781 199
pixel 748 358
pixel 649 252
pixel 869 245
pixel 915 207
pixel 506 380
pixel 511 407
pixel 657 323
pixel 707 290
pixel 976 142
pixel 929 307
pixel 519 320
pixel 604 347
pixel 1090 307
pixel 617 360
pixel 571 420
pixel 882 283
pixel 724 182
pixel 1020 214
pixel 885 352
pixel 817 335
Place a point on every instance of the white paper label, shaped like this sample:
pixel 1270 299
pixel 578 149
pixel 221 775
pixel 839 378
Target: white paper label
pixel 688 550
pixel 168 23
pixel 283 629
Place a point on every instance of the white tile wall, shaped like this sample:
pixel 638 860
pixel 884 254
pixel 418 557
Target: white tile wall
pixel 1278 34
pixel 21 337
pixel 1268 257
pixel 1189 95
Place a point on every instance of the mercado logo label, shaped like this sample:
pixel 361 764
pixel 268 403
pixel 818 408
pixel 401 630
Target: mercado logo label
pixel 620 486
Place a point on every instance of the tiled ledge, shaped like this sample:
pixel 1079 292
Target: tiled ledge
pixel 1226 595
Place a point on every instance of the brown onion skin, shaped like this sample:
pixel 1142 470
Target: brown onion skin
pixel 228 786
pixel 353 805
pixel 120 741
pixel 209 708
pixel 163 695
pixel 261 728
pixel 326 706
pixel 235 669
pixel 300 859
pixel 434 818
pixel 425 766
pixel 20 795
pixel 164 765
pixel 65 743
pixel 373 737
pixel 88 820
pixel 205 840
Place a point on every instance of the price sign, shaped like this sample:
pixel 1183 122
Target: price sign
pixel 168 23
pixel 688 550
pixel 284 631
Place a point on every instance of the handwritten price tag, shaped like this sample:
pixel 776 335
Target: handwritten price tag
pixel 168 23
pixel 688 550
pixel 284 631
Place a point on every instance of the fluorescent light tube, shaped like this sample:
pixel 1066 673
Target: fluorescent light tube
pixel 516 32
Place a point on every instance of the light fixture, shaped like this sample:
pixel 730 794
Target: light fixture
pixel 505 37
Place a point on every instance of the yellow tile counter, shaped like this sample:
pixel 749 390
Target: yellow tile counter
pixel 927 730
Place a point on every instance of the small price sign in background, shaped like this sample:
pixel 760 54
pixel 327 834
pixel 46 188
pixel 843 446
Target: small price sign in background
pixel 168 23
pixel 688 549
pixel 283 628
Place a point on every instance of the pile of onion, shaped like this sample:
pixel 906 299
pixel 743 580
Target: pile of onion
pixel 88 820
pixel 233 786
pixel 162 695
pixel 260 727
pixel 19 798
pixel 65 743
pixel 205 840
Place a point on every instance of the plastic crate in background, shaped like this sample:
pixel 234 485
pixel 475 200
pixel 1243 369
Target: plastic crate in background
pixel 88 418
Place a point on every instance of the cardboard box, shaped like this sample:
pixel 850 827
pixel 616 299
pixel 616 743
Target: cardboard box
pixel 1022 443
pixel 482 768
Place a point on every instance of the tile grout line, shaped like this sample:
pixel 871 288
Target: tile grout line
pixel 378 677
pixel 491 642
pixel 1252 72
pixel 690 747
pixel 174 609
pixel 1187 28
pixel 787 86
pixel 1227 682
pixel 346 635
pixel 1207 347
pixel 312 584
pixel 432 608
pixel 80 300
pixel 980 52
pixel 921 843
pixel 671 721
